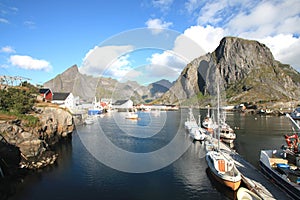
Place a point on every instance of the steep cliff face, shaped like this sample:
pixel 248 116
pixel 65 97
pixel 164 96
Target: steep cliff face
pixel 247 72
pixel 54 124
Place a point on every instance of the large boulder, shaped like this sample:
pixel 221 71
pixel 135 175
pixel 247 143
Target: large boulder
pixel 56 122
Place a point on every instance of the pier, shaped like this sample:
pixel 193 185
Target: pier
pixel 252 177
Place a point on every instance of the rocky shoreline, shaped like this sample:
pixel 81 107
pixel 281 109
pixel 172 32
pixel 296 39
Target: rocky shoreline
pixel 25 149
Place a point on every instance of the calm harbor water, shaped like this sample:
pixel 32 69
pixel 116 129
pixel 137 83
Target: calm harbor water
pixel 79 174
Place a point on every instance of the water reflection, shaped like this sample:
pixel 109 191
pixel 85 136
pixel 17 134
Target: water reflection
pixel 78 175
pixel 190 172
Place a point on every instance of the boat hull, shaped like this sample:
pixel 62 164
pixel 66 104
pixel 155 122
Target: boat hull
pixel 292 189
pixel 232 182
pixel 233 185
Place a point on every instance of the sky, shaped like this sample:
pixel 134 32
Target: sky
pixel 144 40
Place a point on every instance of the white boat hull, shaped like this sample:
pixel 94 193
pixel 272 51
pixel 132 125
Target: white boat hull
pixel 232 182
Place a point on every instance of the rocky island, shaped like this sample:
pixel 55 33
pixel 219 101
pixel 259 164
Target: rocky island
pixel 27 139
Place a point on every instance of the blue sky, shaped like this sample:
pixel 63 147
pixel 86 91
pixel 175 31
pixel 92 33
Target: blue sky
pixel 137 40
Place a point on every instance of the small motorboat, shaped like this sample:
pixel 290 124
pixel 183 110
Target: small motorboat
pixel 131 115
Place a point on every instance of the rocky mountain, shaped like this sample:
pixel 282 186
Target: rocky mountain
pixel 157 89
pixel 87 87
pixel 73 81
pixel 246 70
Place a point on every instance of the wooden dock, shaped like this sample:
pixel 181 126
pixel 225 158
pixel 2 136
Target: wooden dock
pixel 252 177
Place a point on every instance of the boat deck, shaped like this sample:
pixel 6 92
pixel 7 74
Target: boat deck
pixel 253 178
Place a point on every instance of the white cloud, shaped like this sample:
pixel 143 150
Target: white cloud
pixel 285 48
pixel 192 5
pixel 4 21
pixel 157 25
pixel 107 61
pixel 210 11
pixel 7 49
pixel 194 42
pixel 121 69
pixel 4 66
pixel 208 38
pixel 159 72
pixel 29 24
pixel 274 23
pixel 163 5
pixel 29 63
pixel 168 59
pixel 267 18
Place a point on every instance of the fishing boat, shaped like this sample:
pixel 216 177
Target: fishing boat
pixel 97 109
pixel 245 194
pixel 193 129
pixel 221 164
pixel 283 165
pixel 278 165
pixel 227 134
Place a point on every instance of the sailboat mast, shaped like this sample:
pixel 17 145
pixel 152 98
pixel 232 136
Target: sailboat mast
pixel 218 114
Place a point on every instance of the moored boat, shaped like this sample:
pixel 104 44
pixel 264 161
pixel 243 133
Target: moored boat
pixel 221 164
pixel 223 169
pixel 208 123
pixel 227 134
pixel 193 129
pixel 277 166
pixel 131 115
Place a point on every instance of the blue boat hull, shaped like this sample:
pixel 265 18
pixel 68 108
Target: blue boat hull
pixel 94 112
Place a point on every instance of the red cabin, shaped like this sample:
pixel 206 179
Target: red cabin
pixel 46 93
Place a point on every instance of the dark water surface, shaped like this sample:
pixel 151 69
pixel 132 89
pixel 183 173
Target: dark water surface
pixel 79 175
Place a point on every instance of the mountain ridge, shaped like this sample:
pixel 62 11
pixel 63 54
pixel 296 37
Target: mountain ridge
pixel 87 87
pixel 247 70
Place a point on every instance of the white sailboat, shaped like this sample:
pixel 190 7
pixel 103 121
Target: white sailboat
pixel 222 165
pixel 193 128
pixel 227 134
pixel 208 122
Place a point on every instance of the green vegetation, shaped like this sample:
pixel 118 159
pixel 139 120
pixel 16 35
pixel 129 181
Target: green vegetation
pixel 16 102
pixel 27 120
pixel 196 100
pixel 290 72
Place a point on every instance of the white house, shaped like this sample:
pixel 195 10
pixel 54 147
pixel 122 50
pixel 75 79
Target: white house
pixel 122 104
pixel 66 100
